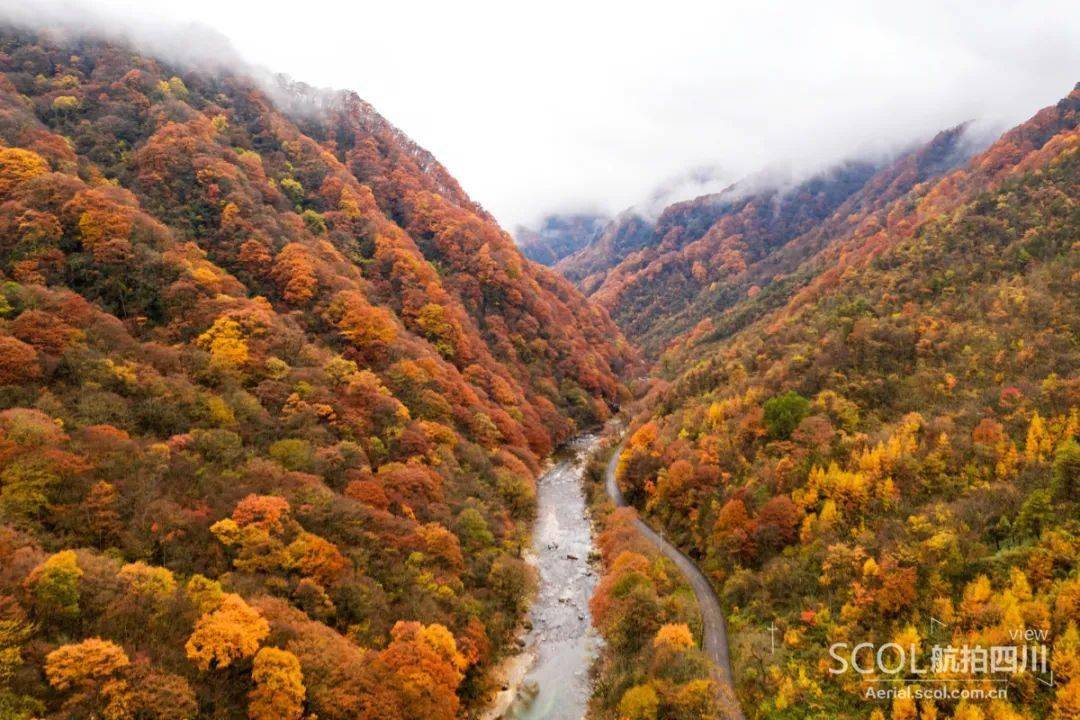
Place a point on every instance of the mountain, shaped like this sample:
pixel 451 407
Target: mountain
pixel 628 232
pixel 559 236
pixel 660 279
pixel 632 229
pixel 884 428
pixel 273 395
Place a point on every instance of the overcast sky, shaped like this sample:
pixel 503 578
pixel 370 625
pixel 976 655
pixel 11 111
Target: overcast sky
pixel 563 105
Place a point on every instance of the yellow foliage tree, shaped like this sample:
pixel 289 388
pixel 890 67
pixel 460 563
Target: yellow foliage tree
pixel 90 671
pixel 674 635
pixel 204 593
pixel 148 582
pixel 967 711
pixel 279 686
pixel 230 633
pixel 441 640
pixel 13 637
pixel 850 489
pixel 55 585
pixel 1066 659
pixel 644 436
pixel 89 661
pixel 639 703
pixel 226 343
pixel 1067 701
pixel 977 595
pixel 1067 604
pixel 697 700
pixel 18 165
pixel 1039 444
pixel 102 222
pixel 903 708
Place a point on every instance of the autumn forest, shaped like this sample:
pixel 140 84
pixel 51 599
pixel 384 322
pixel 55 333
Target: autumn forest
pixel 276 395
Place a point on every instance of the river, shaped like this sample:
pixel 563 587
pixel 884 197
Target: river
pixel 561 646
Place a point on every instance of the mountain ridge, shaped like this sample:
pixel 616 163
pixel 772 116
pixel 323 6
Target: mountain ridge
pixel 713 239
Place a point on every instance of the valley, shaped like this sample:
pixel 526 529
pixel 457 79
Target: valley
pixel 291 428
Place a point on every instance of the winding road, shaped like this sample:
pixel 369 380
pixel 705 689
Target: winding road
pixel 714 641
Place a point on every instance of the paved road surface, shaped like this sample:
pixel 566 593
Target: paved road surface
pixel 715 642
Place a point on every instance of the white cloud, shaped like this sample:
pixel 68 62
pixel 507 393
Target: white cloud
pixel 568 104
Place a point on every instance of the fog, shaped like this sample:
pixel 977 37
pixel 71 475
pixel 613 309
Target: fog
pixel 562 106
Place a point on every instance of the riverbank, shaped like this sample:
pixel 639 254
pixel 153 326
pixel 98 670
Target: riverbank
pixel 509 675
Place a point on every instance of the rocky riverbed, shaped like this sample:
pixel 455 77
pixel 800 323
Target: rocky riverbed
pixel 550 679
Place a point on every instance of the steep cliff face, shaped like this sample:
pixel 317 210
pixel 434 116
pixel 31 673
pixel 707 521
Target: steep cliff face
pixel 270 382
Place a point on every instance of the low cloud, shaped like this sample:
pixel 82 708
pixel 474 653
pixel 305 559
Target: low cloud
pixel 563 105
pixel 190 43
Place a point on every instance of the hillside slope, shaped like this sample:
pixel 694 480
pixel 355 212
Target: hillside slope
pixel 893 436
pixel 587 267
pixel 273 394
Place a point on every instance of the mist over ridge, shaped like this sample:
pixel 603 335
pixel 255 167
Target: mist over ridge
pixel 634 97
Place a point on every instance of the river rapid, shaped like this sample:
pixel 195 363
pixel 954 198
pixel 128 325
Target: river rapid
pixel 561 645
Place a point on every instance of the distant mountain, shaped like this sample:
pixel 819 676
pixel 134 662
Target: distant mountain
pixel 587 267
pixel 658 279
pixel 558 236
pixel 632 229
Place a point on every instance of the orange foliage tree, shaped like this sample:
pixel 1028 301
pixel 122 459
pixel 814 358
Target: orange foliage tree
pixel 226 635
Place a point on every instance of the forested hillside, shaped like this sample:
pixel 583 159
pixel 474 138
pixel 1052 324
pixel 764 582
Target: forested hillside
pixel 273 395
pixel 888 433
pixel 587 267
pixel 660 279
